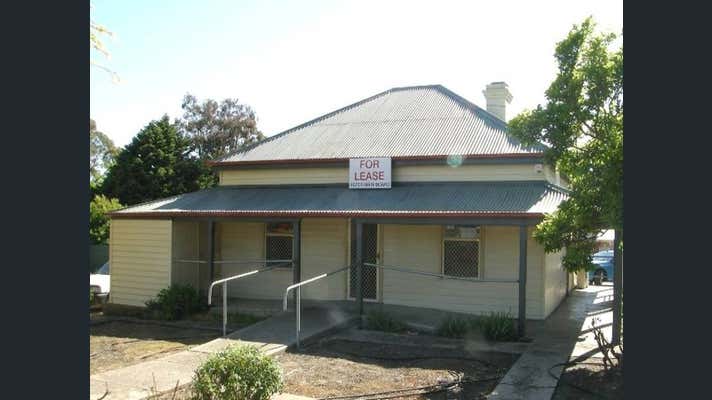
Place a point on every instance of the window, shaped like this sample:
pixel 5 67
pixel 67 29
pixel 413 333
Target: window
pixel 461 251
pixel 278 241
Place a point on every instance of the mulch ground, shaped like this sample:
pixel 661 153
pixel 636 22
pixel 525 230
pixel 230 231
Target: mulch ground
pixel 338 368
pixel 589 380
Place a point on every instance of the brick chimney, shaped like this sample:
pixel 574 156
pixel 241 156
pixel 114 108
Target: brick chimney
pixel 497 96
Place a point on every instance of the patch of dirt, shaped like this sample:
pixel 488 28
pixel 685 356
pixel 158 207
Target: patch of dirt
pixel 338 367
pixel 118 344
pixel 588 381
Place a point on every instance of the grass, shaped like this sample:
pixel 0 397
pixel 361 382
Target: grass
pixel 495 326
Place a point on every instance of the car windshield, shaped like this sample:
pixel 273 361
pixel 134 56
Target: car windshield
pixel 104 270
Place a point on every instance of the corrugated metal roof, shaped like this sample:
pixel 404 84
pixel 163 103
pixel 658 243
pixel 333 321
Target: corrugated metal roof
pixel 426 199
pixel 400 122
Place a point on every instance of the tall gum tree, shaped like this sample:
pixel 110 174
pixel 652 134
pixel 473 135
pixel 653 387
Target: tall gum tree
pixel 582 125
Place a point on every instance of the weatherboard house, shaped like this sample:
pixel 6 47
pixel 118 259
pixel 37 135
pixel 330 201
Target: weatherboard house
pixel 413 197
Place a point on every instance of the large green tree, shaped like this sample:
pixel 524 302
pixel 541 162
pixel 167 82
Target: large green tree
pixel 98 220
pixel 582 124
pixel 157 163
pixel 217 129
pixel 102 152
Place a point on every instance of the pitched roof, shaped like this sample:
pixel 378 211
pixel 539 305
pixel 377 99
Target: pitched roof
pixel 496 199
pixel 407 122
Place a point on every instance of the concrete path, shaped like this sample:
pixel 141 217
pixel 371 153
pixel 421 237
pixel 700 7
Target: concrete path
pixel 272 335
pixel 561 337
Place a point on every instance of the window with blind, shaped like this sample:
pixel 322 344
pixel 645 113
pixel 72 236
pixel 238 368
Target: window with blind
pixel 461 251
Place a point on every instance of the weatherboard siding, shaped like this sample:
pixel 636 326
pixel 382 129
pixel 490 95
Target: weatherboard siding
pixel 324 248
pixel 239 241
pixel 403 173
pixel 555 281
pixel 140 257
pixel 419 247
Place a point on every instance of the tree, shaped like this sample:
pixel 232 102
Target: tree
pixel 102 152
pixel 98 220
pixel 96 31
pixel 157 163
pixel 217 129
pixel 582 124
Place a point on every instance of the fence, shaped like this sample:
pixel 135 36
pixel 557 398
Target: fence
pixel 98 255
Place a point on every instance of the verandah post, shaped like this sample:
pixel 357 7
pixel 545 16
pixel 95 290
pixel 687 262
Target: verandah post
pixel 522 280
pixel 211 249
pixel 359 269
pixel 296 256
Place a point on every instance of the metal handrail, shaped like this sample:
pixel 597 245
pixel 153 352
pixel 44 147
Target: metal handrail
pixel 231 261
pixel 298 305
pixel 224 282
pixel 442 276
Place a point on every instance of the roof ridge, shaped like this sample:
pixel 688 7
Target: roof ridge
pixel 322 117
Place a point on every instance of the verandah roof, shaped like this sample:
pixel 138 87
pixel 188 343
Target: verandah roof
pixel 521 199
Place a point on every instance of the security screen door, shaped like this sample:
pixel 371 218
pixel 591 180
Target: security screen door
pixel 370 255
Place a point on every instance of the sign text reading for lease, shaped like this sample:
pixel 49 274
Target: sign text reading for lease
pixel 370 173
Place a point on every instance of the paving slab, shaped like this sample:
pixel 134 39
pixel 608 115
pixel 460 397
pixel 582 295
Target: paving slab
pixel 555 340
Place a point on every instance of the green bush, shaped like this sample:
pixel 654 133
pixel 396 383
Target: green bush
pixel 382 321
pixel 498 326
pixel 455 326
pixel 238 373
pixel 175 302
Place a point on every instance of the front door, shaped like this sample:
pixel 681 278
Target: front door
pixel 370 255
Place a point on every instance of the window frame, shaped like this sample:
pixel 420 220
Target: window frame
pixel 268 234
pixel 443 239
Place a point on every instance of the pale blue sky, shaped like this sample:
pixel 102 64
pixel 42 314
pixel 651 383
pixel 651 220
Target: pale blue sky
pixel 295 60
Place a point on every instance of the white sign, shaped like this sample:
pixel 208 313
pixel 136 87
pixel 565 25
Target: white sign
pixel 370 173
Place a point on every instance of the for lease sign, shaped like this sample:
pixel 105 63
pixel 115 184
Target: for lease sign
pixel 370 173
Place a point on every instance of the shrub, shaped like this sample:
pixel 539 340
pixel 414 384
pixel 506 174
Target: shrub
pixel 382 321
pixel 498 326
pixel 175 302
pixel 238 373
pixel 455 326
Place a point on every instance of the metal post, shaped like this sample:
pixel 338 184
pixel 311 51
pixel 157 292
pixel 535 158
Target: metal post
pixel 224 308
pixel 617 287
pixel 359 269
pixel 299 313
pixel 522 280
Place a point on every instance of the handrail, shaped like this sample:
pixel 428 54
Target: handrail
pixel 310 280
pixel 298 305
pixel 230 278
pixel 442 276
pixel 224 282
pixel 231 261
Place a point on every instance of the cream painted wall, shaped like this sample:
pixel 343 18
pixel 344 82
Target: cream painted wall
pixel 140 257
pixel 409 173
pixel 555 277
pixel 246 241
pixel 419 247
pixel 324 248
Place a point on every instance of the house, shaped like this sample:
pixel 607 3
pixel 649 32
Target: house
pixel 439 198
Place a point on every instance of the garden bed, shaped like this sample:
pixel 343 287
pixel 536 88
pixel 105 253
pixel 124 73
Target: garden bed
pixel 116 341
pixel 340 367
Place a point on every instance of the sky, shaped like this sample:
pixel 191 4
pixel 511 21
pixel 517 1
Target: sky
pixel 292 61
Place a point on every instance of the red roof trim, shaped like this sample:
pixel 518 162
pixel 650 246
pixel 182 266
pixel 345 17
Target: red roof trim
pixel 396 158
pixel 312 213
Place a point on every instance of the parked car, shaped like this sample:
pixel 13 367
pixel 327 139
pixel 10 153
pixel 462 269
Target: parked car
pixel 604 267
pixel 100 283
